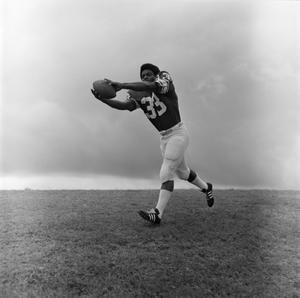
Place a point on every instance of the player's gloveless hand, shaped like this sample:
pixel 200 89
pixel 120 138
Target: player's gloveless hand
pixel 116 85
pixel 95 93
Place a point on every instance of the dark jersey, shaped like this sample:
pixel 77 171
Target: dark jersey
pixel 160 106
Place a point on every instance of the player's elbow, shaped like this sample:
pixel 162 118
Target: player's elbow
pixel 130 109
pixel 131 106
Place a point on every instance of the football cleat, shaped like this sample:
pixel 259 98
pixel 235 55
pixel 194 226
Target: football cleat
pixel 209 196
pixel 151 215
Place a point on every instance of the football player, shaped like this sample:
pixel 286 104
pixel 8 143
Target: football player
pixel 155 95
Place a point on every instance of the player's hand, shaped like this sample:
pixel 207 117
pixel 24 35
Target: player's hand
pixel 96 94
pixel 116 85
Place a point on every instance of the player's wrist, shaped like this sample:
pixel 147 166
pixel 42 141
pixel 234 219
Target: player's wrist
pixel 124 86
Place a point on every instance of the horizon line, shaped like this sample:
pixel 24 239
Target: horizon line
pixel 145 189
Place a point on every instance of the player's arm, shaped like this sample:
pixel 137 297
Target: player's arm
pixel 160 85
pixel 139 86
pixel 135 86
pixel 116 104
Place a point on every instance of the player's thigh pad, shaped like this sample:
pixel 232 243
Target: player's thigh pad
pixel 173 155
pixel 167 170
pixel 176 147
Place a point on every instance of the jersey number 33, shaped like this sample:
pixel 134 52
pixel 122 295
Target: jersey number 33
pixel 154 106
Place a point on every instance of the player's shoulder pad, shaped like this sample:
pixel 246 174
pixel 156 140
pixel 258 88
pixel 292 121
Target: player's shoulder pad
pixel 164 75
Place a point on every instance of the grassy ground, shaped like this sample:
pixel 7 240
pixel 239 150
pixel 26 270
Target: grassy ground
pixel 93 244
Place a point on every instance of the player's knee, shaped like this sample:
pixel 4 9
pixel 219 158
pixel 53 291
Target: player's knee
pixel 168 185
pixel 167 171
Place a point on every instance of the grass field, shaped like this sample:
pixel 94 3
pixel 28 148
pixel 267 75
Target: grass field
pixel 94 244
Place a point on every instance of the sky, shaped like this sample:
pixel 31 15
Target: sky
pixel 235 66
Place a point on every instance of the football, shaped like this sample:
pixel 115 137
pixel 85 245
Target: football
pixel 104 89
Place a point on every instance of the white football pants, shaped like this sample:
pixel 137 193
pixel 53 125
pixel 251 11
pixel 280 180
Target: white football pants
pixel 173 146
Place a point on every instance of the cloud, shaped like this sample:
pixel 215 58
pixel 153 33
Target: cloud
pixel 236 79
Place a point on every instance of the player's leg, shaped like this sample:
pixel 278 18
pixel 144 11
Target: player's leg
pixel 173 152
pixel 173 155
pixel 185 173
pixel 167 172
